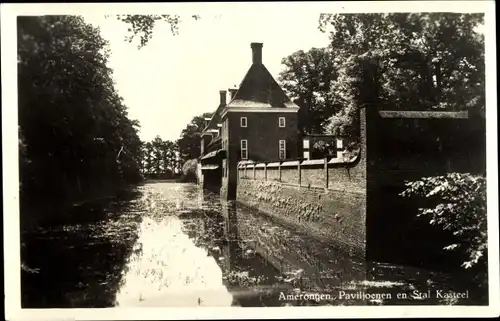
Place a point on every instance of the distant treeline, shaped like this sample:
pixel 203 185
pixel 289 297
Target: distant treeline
pixel 160 159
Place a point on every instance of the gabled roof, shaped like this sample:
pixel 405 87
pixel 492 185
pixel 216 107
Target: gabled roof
pixel 212 124
pixel 259 89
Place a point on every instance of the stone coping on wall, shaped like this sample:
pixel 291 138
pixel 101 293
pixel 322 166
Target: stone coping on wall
pixel 290 163
pixel 343 161
pixel 245 163
pixel 423 114
pixel 313 162
pixel 275 164
pixel 350 190
pixel 309 162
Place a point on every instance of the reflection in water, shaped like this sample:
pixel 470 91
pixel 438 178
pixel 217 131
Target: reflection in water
pixel 170 244
pixel 167 269
pixel 74 260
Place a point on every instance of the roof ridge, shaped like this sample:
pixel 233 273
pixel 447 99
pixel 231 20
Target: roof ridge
pixel 215 114
pixel 259 86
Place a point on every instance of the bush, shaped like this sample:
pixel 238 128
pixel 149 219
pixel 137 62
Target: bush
pixel 189 170
pixel 457 203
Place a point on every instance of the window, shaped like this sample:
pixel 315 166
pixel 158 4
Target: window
pixel 243 122
pixel 225 124
pixel 282 149
pixel 281 121
pixel 306 143
pixel 244 149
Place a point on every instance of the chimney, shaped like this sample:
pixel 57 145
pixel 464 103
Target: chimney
pixel 232 93
pixel 256 52
pixel 223 94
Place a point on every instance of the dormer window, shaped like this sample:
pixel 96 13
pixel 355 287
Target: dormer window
pixel 243 122
pixel 281 122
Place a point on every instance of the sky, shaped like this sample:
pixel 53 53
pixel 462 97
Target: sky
pixel 175 78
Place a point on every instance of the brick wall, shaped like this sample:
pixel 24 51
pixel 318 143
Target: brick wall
pixel 273 243
pixel 273 172
pixel 313 176
pixel 333 217
pixel 340 175
pixel 263 134
pixel 363 193
pixel 290 173
pixel 340 178
pixel 260 173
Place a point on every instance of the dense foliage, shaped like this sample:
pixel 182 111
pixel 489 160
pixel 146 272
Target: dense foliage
pixel 426 61
pixel 306 79
pixel 75 134
pixel 457 203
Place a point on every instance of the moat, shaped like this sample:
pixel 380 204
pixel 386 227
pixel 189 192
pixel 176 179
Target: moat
pixel 167 244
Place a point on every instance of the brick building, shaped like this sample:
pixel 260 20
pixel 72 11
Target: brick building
pixel 259 124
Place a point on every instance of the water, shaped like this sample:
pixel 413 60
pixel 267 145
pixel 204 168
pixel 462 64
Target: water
pixel 171 244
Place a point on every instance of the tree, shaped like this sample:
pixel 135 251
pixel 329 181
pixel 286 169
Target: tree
pixel 357 85
pixel 169 156
pixel 142 26
pixel 157 145
pixel 306 79
pixel 457 203
pixel 159 157
pixel 149 162
pixel 427 60
pixel 189 143
pixel 74 127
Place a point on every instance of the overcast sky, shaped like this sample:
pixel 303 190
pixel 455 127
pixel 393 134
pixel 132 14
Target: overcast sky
pixel 175 78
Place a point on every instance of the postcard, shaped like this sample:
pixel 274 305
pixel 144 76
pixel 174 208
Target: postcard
pixel 250 160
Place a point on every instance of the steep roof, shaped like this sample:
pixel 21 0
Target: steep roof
pixel 212 124
pixel 259 89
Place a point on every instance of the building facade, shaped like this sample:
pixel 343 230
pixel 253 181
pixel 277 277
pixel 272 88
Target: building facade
pixel 258 124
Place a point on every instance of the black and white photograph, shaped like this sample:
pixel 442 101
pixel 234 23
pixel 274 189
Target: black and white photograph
pixel 238 156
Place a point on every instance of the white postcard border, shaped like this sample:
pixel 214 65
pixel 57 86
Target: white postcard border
pixel 9 12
